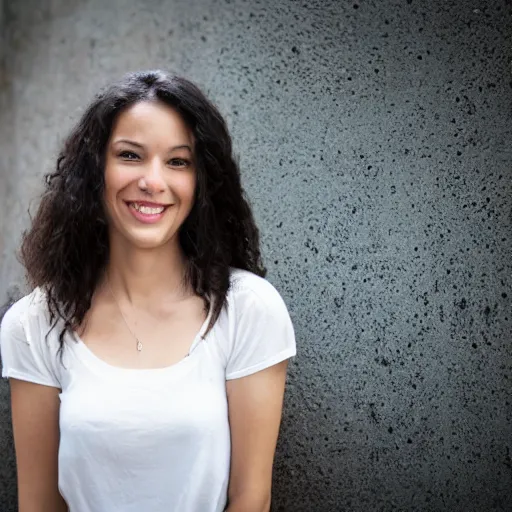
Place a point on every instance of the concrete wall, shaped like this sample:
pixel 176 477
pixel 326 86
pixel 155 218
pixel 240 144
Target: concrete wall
pixel 374 138
pixel 3 103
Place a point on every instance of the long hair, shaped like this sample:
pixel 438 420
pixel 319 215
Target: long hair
pixel 66 249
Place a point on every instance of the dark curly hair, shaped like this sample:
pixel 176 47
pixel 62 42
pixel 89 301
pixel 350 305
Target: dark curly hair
pixel 65 251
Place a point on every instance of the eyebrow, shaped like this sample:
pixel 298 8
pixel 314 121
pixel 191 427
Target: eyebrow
pixel 137 144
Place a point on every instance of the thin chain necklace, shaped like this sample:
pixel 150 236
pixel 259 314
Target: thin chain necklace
pixel 139 343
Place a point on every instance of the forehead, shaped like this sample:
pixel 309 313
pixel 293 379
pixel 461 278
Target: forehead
pixel 148 121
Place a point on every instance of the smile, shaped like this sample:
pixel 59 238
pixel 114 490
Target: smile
pixel 148 210
pixel 147 213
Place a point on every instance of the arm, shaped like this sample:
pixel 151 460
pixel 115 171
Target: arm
pixel 255 407
pixel 35 420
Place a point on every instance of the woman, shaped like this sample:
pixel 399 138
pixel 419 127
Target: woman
pixel 147 367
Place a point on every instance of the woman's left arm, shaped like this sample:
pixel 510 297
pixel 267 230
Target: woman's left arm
pixel 255 408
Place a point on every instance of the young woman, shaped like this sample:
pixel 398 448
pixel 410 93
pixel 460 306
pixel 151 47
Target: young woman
pixel 147 366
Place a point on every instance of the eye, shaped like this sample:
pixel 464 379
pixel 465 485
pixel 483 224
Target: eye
pixel 128 155
pixel 179 162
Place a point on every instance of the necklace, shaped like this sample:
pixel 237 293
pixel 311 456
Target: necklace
pixel 139 343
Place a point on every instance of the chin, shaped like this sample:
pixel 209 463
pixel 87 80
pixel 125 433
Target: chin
pixel 149 243
pixel 147 240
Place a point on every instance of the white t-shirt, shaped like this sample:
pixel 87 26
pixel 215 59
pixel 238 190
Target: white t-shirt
pixel 152 440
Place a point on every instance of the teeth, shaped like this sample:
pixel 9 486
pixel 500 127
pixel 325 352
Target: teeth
pixel 147 210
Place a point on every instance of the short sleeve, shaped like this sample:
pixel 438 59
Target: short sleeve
pixel 263 335
pixel 25 356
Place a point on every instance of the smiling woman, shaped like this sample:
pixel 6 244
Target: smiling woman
pixel 151 354
pixel 150 149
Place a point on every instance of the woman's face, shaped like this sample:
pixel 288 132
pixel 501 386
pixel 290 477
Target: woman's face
pixel 150 175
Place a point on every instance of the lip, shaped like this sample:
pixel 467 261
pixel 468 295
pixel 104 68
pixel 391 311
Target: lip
pixel 146 218
pixel 147 203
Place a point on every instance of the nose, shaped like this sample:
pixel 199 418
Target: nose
pixel 154 176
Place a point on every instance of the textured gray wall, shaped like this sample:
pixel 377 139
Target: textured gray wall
pixel 375 141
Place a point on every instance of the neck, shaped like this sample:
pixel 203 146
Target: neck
pixel 142 275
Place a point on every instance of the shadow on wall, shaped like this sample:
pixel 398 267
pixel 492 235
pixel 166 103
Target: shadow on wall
pixel 8 471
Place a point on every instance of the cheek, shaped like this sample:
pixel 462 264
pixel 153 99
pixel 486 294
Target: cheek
pixel 115 180
pixel 114 183
pixel 186 186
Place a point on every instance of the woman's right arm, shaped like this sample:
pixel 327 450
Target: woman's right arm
pixel 35 420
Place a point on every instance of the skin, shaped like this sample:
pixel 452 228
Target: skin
pixel 150 147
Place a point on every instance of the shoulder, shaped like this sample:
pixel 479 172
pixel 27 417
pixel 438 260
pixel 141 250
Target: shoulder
pixel 31 304
pixel 26 352
pixel 245 283
pixel 247 288
pixel 252 294
pixel 28 312
pixel 259 329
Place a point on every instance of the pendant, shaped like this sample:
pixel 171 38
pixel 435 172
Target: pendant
pixel 139 346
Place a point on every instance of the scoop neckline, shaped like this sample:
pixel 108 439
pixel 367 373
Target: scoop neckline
pixel 96 362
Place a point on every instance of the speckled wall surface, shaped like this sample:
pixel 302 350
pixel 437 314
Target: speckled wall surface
pixel 375 141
